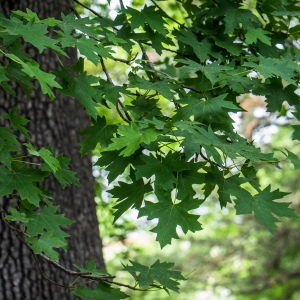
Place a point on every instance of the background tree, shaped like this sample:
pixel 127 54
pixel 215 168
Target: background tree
pixel 56 124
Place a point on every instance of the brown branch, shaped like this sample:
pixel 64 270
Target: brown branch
pixel 46 258
pixel 106 278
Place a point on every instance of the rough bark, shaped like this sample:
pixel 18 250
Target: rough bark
pixel 57 124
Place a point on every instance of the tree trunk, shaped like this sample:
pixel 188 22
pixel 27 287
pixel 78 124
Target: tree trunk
pixel 57 124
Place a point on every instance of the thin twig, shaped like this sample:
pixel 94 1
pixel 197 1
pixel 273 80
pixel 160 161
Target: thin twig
pixel 106 278
pixel 128 118
pixel 88 8
pixel 132 287
pixel 167 16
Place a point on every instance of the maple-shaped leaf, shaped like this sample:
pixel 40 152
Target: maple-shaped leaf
pixel 210 71
pixel 158 40
pixel 81 87
pixel 47 156
pixel 226 42
pixel 16 215
pixel 17 121
pixel 87 47
pixel 149 15
pixel 187 178
pixel 296 132
pixel 45 243
pixel 33 33
pixel 23 181
pixel 47 220
pixel 213 109
pixel 253 34
pixel 130 195
pixel 32 68
pixel 170 215
pixel 158 272
pixel 265 209
pixel 90 267
pixel 99 132
pixel 163 168
pixel 63 175
pixel 294 159
pixel 269 67
pixel 224 183
pixel 32 16
pixel 276 94
pixel 8 144
pixel 115 163
pixel 112 92
pixel 144 108
pixel 203 49
pixel 102 291
pixel 162 86
pixel 131 137
pixel 70 22
pixel 235 17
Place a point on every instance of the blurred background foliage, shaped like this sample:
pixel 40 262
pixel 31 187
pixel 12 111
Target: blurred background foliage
pixel 234 257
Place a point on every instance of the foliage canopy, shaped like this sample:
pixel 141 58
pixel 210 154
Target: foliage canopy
pixel 186 64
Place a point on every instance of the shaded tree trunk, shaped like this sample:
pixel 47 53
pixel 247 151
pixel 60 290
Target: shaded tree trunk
pixel 57 124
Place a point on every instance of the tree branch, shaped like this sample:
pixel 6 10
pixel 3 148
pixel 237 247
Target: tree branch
pixel 86 275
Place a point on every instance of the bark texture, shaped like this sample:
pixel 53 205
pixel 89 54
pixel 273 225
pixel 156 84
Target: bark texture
pixel 57 124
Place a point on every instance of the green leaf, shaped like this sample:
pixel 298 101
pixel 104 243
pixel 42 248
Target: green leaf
pixel 32 33
pixel 170 215
pixel 187 178
pixel 205 110
pixel 163 168
pixel 87 47
pixel 276 94
pixel 23 181
pixel 47 156
pixel 15 215
pixel 115 163
pixel 8 144
pixel 17 121
pixel 210 71
pixel 253 35
pixel 296 132
pixel 112 92
pixel 265 209
pixel 81 87
pixel 235 18
pixel 70 22
pixel 45 243
pixel 32 68
pixel 102 291
pixel 157 272
pixel 269 67
pixel 99 132
pixel 203 49
pixel 130 195
pixel 130 138
pixel 224 183
pixel 163 87
pixel 149 15
pixel 63 175
pixel 47 220
pixel 90 267
pixel 294 159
